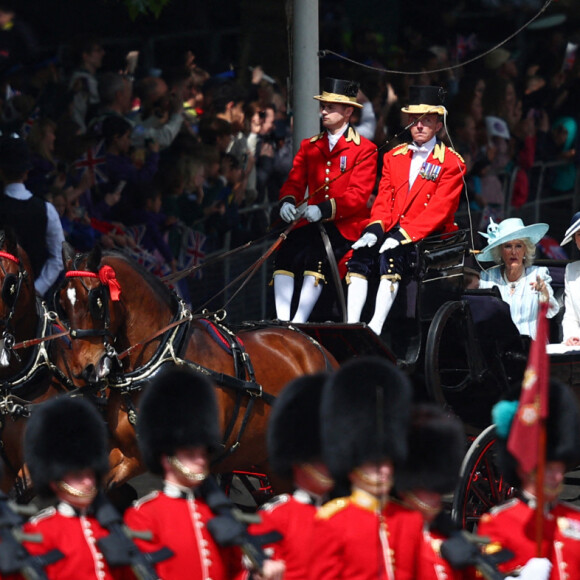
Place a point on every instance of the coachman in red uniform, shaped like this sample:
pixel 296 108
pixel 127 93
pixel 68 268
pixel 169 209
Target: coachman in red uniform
pixel 512 525
pixel 177 429
pixel 294 452
pixel 418 195
pixel 332 178
pixel 364 536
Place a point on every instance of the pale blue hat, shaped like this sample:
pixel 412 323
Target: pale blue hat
pixel 508 230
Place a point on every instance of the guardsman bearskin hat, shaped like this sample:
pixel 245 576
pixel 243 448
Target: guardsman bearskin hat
pixel 365 408
pixel 436 448
pixel 294 426
pixel 425 100
pixel 562 430
pixel 339 91
pixel 64 435
pixel 178 409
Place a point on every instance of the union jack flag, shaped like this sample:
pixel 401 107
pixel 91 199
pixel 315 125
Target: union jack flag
pixel 136 232
pixel 552 249
pixel 93 161
pixel 191 251
pixel 464 45
pixel 28 124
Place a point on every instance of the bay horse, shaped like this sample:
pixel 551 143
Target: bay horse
pixel 125 325
pixel 28 341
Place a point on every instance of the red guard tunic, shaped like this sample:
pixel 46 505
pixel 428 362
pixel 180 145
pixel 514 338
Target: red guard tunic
pixel 352 540
pixel 76 536
pixel 433 565
pixel 292 516
pixel 180 524
pixel 342 180
pixel 429 206
pixel 512 525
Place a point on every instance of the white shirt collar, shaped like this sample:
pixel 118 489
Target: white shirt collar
pixel 17 191
pixel 333 139
pixel 425 148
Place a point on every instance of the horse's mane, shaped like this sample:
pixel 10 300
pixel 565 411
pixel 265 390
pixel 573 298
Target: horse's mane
pixel 153 281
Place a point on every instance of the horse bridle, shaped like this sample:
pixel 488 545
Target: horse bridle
pixel 99 309
pixel 10 293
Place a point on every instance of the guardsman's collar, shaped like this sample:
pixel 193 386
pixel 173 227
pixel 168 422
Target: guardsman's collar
pixel 530 501
pixel 366 500
pixel 307 497
pixel 68 511
pixel 176 491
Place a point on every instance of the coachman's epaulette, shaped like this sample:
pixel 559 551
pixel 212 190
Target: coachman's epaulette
pixel 317 137
pixel 352 135
pixel 400 149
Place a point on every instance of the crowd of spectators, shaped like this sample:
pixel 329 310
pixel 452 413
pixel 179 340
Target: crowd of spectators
pixel 164 162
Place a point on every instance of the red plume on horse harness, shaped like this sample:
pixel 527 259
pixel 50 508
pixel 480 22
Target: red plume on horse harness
pixel 106 277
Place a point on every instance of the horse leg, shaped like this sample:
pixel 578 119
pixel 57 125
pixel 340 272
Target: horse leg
pixel 124 457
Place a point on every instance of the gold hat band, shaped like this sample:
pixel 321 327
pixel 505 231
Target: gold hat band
pixel 336 98
pixel 424 109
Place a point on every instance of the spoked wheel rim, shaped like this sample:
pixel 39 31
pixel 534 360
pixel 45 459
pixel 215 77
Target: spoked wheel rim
pixel 481 485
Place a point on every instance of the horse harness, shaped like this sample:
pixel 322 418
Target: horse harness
pixel 170 351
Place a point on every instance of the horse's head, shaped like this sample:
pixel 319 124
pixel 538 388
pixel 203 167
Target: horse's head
pixel 17 313
pixel 89 304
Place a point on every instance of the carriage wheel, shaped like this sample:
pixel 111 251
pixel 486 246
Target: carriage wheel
pixel 456 374
pixel 481 485
pixel 447 357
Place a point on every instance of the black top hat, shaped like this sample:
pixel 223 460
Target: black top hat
pixel 339 91
pixel 294 426
pixel 365 408
pixel 178 409
pixel 64 435
pixel 562 432
pixel 425 100
pixel 436 449
pixel 14 155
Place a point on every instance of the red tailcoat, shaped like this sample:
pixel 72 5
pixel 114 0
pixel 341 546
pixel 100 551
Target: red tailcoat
pixel 75 536
pixel 513 526
pixel 294 519
pixel 352 541
pixel 429 206
pixel 180 524
pixel 343 201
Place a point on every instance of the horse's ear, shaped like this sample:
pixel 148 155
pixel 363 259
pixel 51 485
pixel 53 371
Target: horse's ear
pixel 68 255
pixel 9 241
pixel 94 258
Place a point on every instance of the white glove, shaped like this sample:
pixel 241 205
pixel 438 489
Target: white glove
pixel 313 213
pixel 535 569
pixel 369 239
pixel 388 244
pixel 288 212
